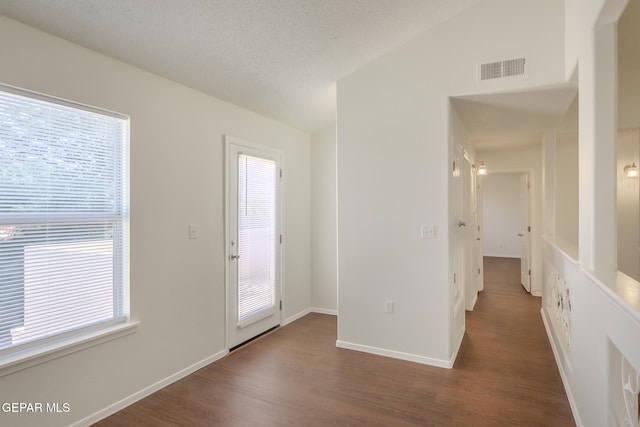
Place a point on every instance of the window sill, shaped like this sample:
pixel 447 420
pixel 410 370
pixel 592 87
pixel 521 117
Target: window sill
pixel 40 354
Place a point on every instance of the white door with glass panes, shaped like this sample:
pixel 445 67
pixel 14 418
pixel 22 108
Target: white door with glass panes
pixel 253 241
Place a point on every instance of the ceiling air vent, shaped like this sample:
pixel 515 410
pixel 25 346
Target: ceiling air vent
pixel 500 69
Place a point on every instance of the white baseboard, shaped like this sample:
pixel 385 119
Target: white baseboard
pixel 307 311
pixel 296 316
pixel 324 311
pixel 501 255
pixel 473 303
pixel 129 400
pixel 396 354
pixel 458 345
pixel 565 380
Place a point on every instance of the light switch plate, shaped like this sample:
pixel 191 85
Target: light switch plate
pixel 193 231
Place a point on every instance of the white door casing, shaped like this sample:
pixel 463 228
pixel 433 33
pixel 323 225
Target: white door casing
pixel 253 239
pixel 457 283
pixel 478 233
pixel 525 232
pixel 468 234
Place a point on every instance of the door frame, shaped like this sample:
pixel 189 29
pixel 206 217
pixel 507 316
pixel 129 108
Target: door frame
pixel 228 141
pixel 468 232
pixel 527 177
pixel 532 189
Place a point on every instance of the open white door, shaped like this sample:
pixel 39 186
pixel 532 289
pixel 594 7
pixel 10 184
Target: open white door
pixel 525 232
pixel 253 240
pixel 478 231
pixel 457 284
pixel 468 235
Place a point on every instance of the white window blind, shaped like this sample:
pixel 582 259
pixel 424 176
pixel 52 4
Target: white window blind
pixel 256 236
pixel 63 218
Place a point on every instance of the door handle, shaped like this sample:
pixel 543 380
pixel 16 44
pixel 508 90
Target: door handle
pixel 520 234
pixel 232 257
pixel 462 224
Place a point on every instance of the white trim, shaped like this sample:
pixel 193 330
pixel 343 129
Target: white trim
pixel 139 395
pixel 473 303
pixel 626 307
pixel 277 155
pixel 60 101
pixel 296 316
pixel 563 375
pixel 306 311
pixel 257 317
pixel 569 251
pixel 324 311
pixel 493 255
pixel 454 356
pixel 19 360
pixel 396 354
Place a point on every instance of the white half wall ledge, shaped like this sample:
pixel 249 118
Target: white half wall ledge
pixel 397 354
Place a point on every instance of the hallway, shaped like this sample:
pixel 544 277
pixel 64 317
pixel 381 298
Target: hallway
pixel 505 375
pixel 507 354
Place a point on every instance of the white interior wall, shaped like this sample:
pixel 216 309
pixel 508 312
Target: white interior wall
pixel 392 144
pixel 627 201
pixel 567 188
pixel 628 151
pixel 601 314
pixel 458 264
pixel 628 204
pixel 501 215
pixel 324 274
pixel 628 97
pixel 177 173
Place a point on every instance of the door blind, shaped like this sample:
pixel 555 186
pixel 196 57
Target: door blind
pixel 256 236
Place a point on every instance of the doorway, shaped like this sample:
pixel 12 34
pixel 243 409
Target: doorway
pixel 253 239
pixel 506 219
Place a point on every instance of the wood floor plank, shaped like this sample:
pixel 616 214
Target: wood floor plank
pixel 505 375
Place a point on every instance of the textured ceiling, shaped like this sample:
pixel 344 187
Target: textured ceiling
pixel 280 58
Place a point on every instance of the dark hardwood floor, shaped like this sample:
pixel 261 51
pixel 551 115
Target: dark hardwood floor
pixel 505 375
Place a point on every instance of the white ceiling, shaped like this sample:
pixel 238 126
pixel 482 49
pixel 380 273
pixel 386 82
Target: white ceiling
pixel 512 120
pixel 280 58
pixel 518 120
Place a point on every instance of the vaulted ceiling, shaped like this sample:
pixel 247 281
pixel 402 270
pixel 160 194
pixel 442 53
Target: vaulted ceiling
pixel 280 58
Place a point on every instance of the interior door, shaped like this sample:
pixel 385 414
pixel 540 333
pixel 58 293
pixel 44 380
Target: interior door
pixel 253 244
pixel 468 226
pixel 457 288
pixel 525 232
pixel 478 231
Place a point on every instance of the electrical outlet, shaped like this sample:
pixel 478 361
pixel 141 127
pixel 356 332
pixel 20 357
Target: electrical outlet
pixel 388 306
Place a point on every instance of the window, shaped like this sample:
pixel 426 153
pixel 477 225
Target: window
pixel 64 216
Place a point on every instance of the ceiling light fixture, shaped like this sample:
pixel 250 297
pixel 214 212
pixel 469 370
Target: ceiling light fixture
pixel 631 170
pixel 482 169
